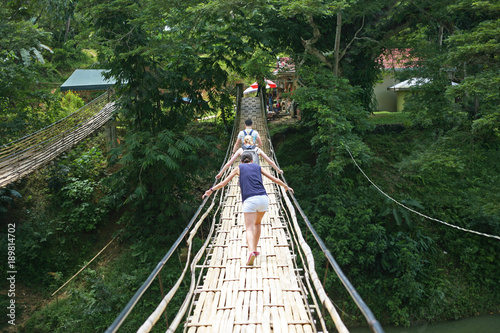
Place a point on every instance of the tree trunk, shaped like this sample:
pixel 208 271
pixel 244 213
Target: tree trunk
pixel 337 43
pixel 440 35
pixel 67 29
pixel 309 44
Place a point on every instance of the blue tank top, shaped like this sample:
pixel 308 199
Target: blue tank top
pixel 251 181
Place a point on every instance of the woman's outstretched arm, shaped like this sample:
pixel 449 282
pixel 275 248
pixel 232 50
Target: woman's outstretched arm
pixel 276 180
pixel 223 183
pixel 236 144
pixel 270 161
pixel 229 163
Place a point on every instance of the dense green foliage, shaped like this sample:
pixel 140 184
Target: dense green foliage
pixel 60 206
pixel 332 108
pixel 177 61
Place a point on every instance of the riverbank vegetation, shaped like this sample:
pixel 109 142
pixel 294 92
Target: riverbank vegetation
pixel 438 158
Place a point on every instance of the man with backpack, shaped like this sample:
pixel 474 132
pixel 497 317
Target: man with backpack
pixel 247 131
pixel 255 152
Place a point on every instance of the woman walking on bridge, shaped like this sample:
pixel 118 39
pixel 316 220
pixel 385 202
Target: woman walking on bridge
pixel 253 196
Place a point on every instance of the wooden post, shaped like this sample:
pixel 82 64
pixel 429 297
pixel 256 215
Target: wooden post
pixel 239 89
pixel 337 43
pixel 110 129
pixel 239 96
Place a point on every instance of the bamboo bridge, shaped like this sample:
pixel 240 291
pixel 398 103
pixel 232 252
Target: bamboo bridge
pixel 25 155
pixel 280 293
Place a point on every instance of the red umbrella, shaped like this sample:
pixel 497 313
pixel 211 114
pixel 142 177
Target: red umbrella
pixel 269 84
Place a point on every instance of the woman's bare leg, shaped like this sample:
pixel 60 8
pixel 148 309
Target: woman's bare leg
pixel 253 228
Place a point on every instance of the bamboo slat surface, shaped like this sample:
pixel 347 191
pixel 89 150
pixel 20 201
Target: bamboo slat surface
pixel 266 297
pixel 30 153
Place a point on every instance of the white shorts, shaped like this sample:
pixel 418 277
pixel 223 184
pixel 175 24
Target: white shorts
pixel 257 203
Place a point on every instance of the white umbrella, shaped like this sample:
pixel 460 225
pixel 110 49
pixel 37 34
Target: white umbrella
pixel 269 84
pixel 249 90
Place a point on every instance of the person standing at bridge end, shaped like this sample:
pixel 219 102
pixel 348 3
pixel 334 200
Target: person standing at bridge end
pixel 247 131
pixel 254 198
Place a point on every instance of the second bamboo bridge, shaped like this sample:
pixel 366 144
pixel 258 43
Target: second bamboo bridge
pixel 27 154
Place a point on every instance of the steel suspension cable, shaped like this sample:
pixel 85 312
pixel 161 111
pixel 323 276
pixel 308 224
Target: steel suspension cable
pixel 367 313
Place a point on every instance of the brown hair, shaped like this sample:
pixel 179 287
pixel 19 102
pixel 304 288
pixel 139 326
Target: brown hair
pixel 246 157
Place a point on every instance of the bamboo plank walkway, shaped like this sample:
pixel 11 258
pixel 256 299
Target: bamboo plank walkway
pixel 28 154
pixel 265 297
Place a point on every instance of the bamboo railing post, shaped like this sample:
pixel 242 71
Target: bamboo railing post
pixel 324 283
pixel 162 296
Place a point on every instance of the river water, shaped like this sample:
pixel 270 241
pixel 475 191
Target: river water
pixel 479 324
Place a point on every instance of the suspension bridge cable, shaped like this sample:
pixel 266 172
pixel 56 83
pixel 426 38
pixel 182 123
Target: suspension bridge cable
pixel 414 211
pixel 370 318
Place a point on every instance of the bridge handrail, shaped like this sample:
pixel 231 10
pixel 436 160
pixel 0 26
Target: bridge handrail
pixel 367 313
pixel 142 289
pixel 372 321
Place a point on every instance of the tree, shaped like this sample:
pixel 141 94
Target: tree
pixel 455 42
pixel 475 52
pixel 331 108
pixel 21 47
pixel 163 81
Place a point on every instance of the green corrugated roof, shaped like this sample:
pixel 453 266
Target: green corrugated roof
pixel 87 79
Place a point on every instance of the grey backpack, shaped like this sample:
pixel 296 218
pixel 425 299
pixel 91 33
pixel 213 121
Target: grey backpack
pixel 252 149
